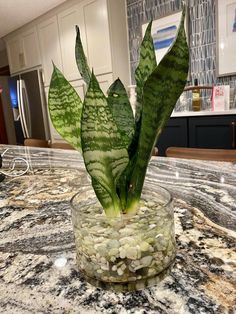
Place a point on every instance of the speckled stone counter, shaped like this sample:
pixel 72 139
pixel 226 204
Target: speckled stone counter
pixel 38 272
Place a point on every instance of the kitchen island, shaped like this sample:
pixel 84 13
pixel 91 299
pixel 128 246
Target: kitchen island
pixel 38 272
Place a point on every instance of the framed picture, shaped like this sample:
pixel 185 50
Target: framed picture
pixel 226 37
pixel 164 31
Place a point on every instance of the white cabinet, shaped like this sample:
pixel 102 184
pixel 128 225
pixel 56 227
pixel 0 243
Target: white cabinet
pixel 14 49
pixel 30 47
pixel 97 34
pixel 49 47
pixel 104 81
pixel 103 31
pixel 67 20
pixel 92 19
pixel 23 50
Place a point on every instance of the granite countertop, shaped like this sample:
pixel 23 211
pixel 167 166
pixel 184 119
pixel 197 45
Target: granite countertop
pixel 38 272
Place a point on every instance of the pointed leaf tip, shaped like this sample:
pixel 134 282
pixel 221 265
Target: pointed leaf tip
pixel 149 27
pixel 81 59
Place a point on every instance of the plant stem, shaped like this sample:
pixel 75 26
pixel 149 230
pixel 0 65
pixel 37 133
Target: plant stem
pixel 115 210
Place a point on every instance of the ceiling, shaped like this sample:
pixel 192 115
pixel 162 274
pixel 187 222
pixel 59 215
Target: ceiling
pixel 16 13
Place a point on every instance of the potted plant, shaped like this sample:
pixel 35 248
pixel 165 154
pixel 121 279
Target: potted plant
pixel 125 234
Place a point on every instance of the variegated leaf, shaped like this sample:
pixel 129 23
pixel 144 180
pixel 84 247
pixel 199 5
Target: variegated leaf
pixel 161 91
pixel 147 64
pixel 121 110
pixel 81 60
pixel 65 108
pixel 111 207
pixel 104 153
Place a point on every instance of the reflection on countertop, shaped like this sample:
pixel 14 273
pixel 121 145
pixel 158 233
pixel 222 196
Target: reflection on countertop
pixel 38 272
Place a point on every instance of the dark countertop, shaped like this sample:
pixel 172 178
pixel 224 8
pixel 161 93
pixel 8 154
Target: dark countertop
pixel 38 272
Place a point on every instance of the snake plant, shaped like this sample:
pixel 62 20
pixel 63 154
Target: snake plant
pixel 115 145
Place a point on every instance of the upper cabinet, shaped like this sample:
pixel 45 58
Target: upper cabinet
pixel 30 47
pixel 14 51
pixel 103 32
pixel 23 50
pixel 67 21
pixel 97 34
pixel 50 47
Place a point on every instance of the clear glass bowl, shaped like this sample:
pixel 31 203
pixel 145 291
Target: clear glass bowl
pixel 125 253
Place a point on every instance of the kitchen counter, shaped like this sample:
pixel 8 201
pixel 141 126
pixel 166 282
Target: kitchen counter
pixel 200 113
pixel 38 272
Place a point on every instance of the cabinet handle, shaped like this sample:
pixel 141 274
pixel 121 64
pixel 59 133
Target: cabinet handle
pixel 233 134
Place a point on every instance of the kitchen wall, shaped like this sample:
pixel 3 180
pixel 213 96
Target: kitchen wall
pixel 201 32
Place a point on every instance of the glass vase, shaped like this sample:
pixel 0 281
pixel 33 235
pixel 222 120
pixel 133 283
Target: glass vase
pixel 129 252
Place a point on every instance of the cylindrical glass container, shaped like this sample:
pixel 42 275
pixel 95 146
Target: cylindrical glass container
pixel 126 253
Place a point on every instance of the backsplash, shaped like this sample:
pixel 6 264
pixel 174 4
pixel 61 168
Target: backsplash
pixel 202 39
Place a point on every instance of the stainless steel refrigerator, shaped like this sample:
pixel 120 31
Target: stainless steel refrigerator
pixel 29 106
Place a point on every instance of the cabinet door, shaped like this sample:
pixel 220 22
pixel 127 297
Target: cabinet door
pixel 105 82
pixel 97 34
pixel 49 47
pixel 14 51
pixel 174 134
pixel 30 48
pixel 212 132
pixel 67 21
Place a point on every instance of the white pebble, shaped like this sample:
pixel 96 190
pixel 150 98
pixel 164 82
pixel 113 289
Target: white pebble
pixel 122 253
pixel 113 252
pixel 105 266
pixel 120 272
pixel 144 246
pixel 132 253
pixel 146 261
pixel 60 262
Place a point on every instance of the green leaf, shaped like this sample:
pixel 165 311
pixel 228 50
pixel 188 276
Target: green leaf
pixel 81 60
pixel 104 153
pixel 161 91
pixel 147 64
pixel 65 108
pixel 121 111
pixel 110 204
